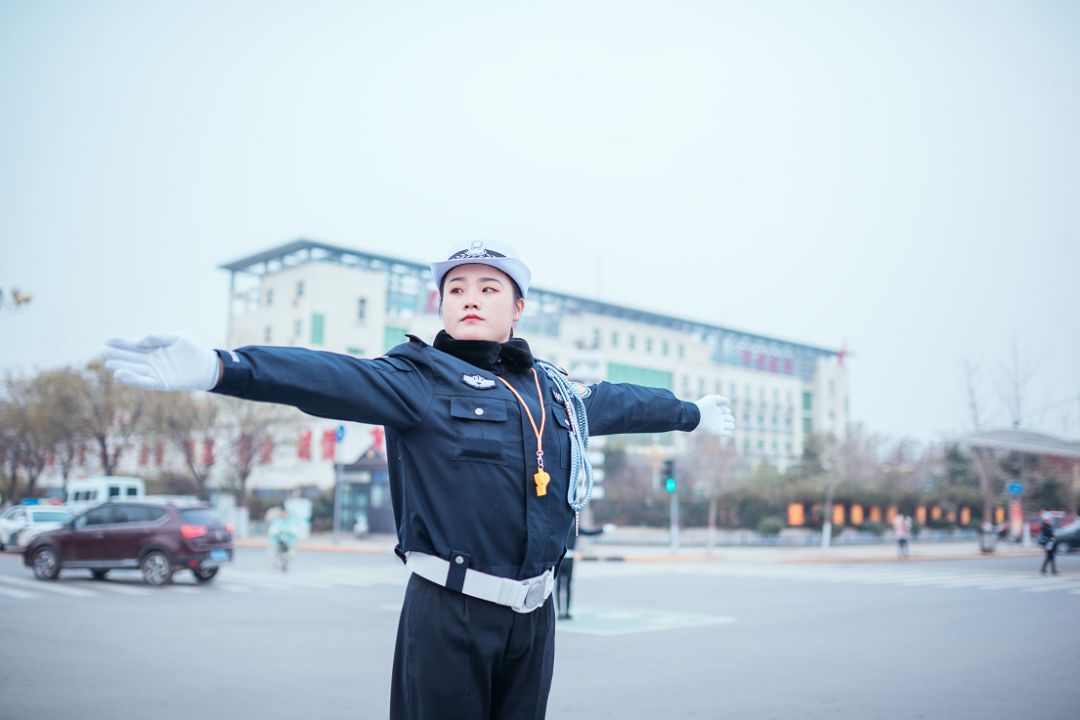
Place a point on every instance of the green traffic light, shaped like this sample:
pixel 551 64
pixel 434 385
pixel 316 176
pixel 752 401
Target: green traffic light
pixel 669 484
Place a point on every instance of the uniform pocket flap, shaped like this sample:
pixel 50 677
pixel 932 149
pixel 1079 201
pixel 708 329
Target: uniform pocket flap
pixel 560 417
pixel 490 409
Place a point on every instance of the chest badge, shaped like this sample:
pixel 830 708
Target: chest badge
pixel 478 382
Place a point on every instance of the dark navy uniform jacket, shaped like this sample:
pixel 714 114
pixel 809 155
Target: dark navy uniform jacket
pixel 462 452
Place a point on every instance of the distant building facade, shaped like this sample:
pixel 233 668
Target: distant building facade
pixel 316 295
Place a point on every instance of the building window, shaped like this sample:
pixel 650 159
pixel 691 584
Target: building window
pixel 355 351
pixel 631 342
pixel 807 401
pixel 775 422
pixel 806 426
pixel 761 420
pixel 664 347
pixel 267 337
pixel 596 338
pixel 701 386
pixel 393 336
pixel 298 328
pixel 270 296
pixel 648 345
pixel 648 377
pixel 731 389
pixel 787 448
pixel 614 339
pixel 317 322
pixel 299 289
pixel 361 309
pixel 746 419
pixel 681 351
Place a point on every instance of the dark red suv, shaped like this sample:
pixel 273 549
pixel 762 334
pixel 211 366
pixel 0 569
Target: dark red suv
pixel 154 538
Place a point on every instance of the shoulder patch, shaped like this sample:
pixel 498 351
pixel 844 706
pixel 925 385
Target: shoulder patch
pixel 582 391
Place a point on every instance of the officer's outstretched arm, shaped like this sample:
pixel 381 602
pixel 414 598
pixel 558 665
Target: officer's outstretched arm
pixel 385 391
pixel 618 408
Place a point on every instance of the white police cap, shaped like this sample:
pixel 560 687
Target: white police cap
pixel 485 252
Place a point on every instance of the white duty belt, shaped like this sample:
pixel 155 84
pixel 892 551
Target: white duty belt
pixel 522 596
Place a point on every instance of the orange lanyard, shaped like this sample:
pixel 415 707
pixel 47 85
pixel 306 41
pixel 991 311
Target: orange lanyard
pixel 541 478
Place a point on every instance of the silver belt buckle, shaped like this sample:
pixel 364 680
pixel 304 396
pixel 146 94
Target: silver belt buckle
pixel 537 593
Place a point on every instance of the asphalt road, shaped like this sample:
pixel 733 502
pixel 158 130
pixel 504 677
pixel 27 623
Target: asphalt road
pixel 979 639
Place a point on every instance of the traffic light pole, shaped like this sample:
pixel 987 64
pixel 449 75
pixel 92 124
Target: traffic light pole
pixel 673 506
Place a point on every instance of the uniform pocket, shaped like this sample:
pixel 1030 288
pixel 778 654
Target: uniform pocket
pixel 480 429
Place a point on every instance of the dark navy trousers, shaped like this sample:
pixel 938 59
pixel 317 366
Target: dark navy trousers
pixel 458 657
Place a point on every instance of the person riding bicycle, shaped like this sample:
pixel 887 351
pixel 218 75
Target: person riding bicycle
pixel 281 536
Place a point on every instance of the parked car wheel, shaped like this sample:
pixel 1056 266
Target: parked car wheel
pixel 205 575
pixel 46 564
pixel 156 568
pixel 99 574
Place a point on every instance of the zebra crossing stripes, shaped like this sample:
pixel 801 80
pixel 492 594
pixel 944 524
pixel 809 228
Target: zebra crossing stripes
pixel 887 576
pixel 17 594
pixel 47 587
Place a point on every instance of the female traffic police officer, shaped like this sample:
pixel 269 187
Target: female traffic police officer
pixel 488 469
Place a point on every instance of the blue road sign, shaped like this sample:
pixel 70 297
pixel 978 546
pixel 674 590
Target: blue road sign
pixel 340 433
pixel 1016 489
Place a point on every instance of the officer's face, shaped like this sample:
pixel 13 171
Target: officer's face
pixel 478 304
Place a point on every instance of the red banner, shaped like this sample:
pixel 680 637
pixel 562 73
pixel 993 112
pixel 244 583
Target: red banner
pixel 303 446
pixel 329 444
pixel 266 451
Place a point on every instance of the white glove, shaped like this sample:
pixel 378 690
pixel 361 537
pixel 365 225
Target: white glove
pixel 716 417
pixel 168 361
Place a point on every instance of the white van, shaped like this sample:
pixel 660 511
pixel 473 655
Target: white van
pixel 93 491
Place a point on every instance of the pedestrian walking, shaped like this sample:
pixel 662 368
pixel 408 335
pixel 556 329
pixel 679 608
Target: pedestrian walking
pixel 565 579
pixel 488 464
pixel 902 528
pixel 1049 545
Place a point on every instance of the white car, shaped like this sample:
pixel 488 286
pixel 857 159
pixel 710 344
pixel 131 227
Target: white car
pixel 21 523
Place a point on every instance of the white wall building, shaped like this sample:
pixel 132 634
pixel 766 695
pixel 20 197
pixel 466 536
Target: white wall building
pixel 311 294
pixel 322 296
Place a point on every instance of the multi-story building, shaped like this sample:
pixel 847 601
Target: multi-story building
pixel 316 295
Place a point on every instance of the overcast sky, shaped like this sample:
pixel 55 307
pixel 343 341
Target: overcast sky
pixel 900 178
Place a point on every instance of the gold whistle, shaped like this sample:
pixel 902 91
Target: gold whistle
pixel 542 479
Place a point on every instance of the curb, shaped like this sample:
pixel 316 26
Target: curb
pixel 320 547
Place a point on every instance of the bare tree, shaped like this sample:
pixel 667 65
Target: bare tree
pixel 10 446
pixel 110 413
pixel 711 463
pixel 188 422
pixel 1015 377
pixel 983 456
pixel 30 412
pixel 61 391
pixel 250 430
